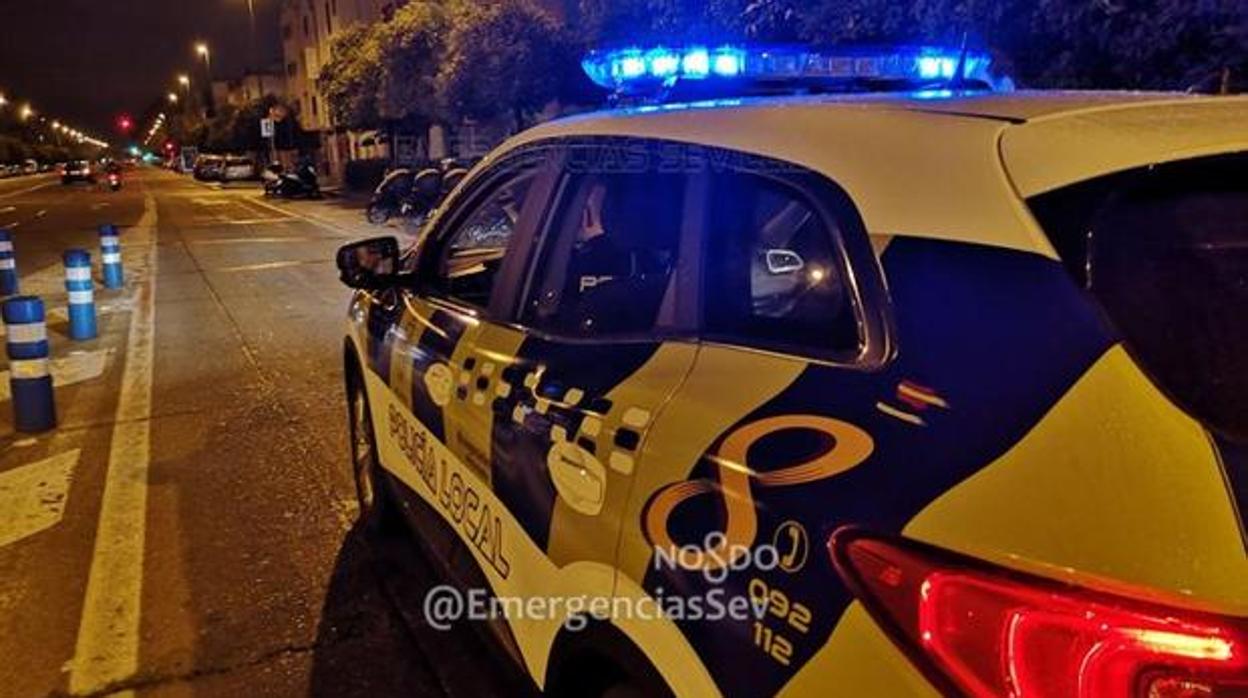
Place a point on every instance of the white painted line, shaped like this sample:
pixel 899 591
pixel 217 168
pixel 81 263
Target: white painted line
pixel 41 213
pixel 33 497
pixel 306 218
pixel 8 209
pixel 250 240
pixel 107 650
pixel 259 221
pixel 266 266
pixel 37 187
pixel 68 370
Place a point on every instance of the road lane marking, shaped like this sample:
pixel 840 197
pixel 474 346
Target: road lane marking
pixel 8 209
pixel 37 187
pixel 260 221
pixel 266 240
pixel 107 651
pixel 327 225
pixel 266 266
pixel 68 370
pixel 41 213
pixel 32 497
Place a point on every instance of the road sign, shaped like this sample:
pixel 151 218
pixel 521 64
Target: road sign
pixel 267 128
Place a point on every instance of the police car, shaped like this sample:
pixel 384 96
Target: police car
pixel 969 364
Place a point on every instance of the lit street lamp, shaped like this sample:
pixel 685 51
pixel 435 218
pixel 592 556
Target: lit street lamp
pixel 173 98
pixel 26 112
pixel 201 48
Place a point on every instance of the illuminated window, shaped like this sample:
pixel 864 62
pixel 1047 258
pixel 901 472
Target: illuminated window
pixel 774 273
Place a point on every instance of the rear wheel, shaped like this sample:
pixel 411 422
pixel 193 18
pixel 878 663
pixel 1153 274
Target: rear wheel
pixel 377 214
pixel 377 511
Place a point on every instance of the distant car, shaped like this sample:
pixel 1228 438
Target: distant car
pixel 208 168
pixel 30 167
pixel 238 169
pixel 78 171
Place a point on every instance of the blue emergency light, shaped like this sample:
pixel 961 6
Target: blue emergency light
pixel 641 71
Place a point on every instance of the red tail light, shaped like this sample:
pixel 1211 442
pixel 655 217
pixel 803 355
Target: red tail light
pixel 983 631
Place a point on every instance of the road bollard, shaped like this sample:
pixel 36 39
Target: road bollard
pixel 30 383
pixel 81 296
pixel 8 265
pixel 110 256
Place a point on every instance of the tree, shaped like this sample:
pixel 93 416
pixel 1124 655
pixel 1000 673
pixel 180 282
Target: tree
pixel 508 58
pixel 351 79
pixel 412 45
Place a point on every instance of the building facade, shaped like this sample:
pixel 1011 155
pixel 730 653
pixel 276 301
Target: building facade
pixel 307 29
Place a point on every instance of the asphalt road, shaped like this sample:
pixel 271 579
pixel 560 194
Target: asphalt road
pixel 187 530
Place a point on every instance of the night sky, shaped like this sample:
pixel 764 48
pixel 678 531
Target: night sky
pixel 86 61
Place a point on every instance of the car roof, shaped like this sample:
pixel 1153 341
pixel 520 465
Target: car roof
pixel 939 164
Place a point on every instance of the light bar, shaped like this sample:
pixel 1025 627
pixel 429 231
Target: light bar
pixel 637 70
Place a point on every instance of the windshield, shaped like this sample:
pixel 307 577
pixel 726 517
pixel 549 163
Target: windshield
pixel 1165 251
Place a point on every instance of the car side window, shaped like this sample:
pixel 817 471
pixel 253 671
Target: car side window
pixel 468 261
pixel 608 262
pixel 775 276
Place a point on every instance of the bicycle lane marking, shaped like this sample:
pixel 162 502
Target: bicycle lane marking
pixel 107 649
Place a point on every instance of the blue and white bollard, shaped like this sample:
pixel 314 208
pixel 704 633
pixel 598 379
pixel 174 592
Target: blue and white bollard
pixel 8 265
pixel 110 256
pixel 34 406
pixel 81 295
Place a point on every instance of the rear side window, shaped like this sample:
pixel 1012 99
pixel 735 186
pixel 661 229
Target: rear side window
pixel 774 274
pixel 1165 252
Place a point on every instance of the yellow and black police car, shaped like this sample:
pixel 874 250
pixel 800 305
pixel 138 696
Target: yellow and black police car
pixel 950 384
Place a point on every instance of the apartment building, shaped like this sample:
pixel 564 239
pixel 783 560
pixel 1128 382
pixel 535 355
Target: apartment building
pixel 307 28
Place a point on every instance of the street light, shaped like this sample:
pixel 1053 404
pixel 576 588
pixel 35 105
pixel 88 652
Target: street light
pixel 26 112
pixel 201 48
pixel 173 98
pixel 3 101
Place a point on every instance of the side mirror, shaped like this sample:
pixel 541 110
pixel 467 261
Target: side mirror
pixel 369 264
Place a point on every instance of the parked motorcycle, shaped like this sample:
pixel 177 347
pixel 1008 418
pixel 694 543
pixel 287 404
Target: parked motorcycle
pixel 301 184
pixel 404 193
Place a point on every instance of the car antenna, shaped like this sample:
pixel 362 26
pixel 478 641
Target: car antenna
pixel 959 74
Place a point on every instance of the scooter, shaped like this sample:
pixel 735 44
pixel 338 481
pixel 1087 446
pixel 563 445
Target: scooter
pixel 302 184
pixel 114 181
pixel 406 194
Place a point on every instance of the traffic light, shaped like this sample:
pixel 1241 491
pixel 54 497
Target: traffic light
pixel 125 123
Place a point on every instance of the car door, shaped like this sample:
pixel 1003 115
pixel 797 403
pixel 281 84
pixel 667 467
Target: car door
pixel 416 338
pixel 735 479
pixel 562 399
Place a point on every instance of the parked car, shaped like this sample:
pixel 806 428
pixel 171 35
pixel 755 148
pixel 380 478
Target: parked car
pixel 969 366
pixel 208 168
pixel 238 169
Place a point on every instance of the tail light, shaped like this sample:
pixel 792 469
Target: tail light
pixel 982 631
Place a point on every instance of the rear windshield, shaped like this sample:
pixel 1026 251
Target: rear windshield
pixel 1164 250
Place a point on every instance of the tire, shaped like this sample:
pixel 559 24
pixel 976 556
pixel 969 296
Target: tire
pixel 378 514
pixel 377 214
